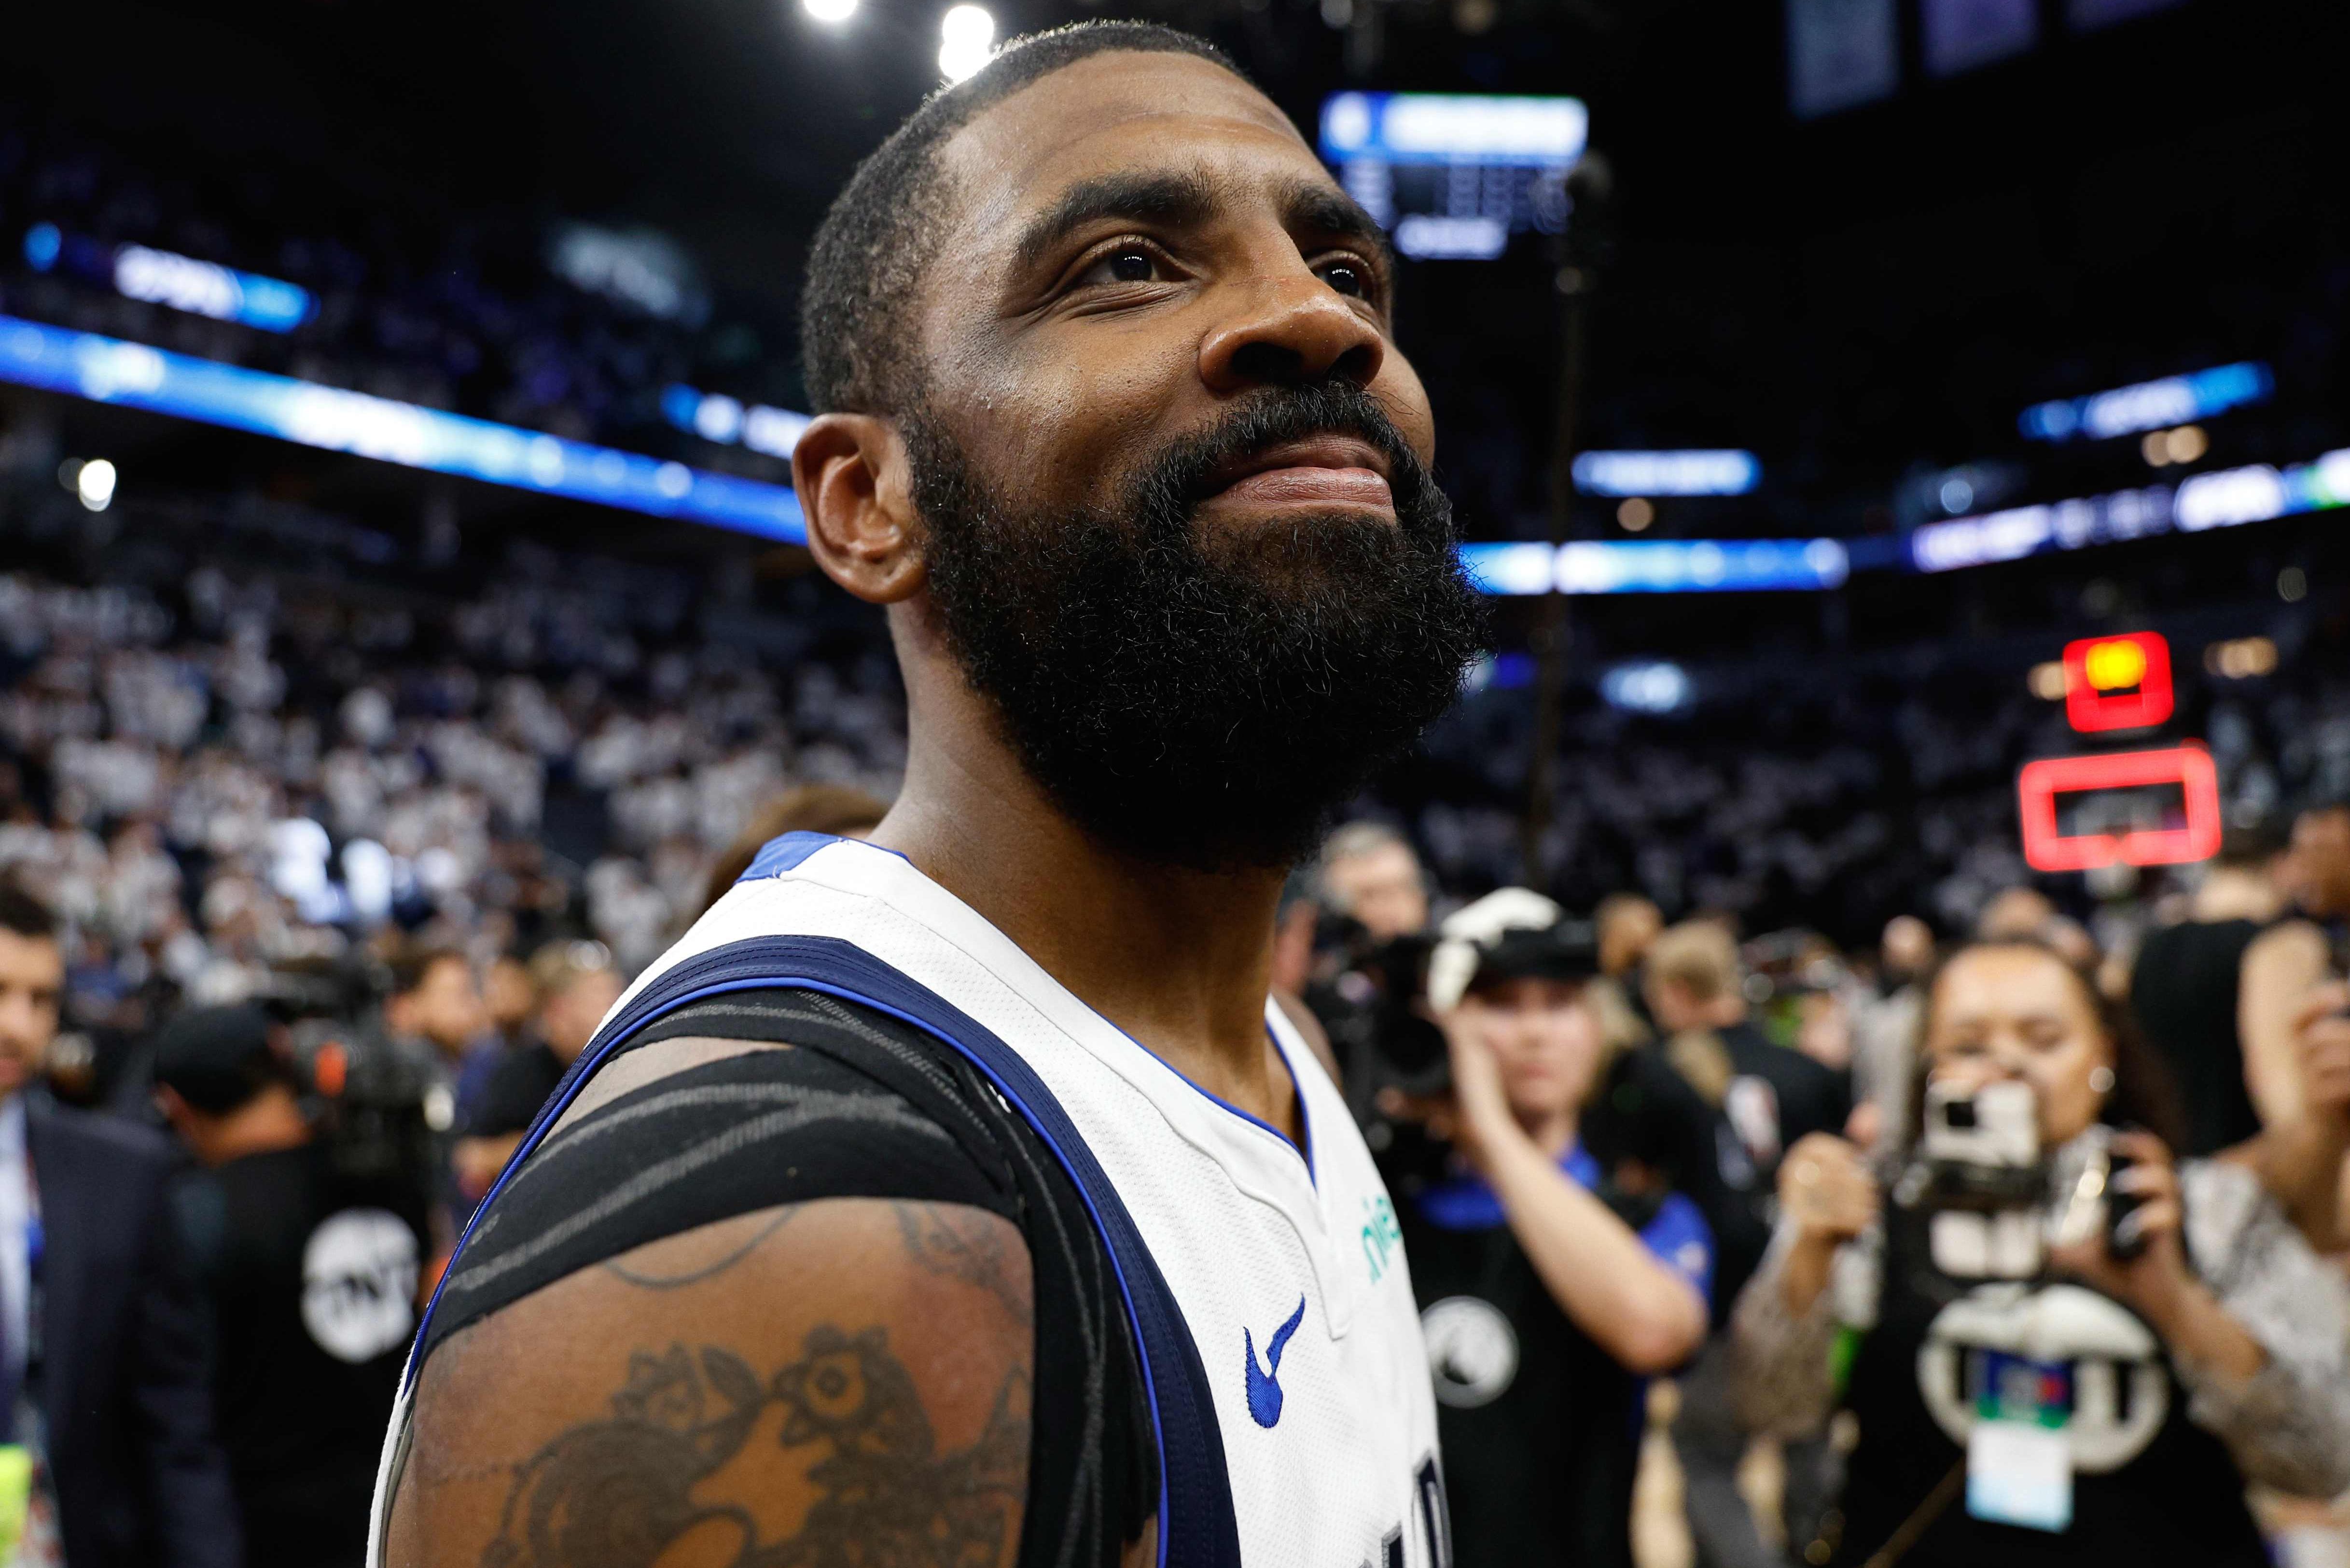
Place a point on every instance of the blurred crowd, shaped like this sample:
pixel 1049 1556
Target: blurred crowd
pixel 2014 1239
pixel 325 854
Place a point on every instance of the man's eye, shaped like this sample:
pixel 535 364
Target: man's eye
pixel 1348 279
pixel 1132 265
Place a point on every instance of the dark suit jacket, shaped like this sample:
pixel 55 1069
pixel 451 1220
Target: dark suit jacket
pixel 126 1390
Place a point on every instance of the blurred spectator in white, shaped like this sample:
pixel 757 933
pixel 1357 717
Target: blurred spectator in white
pixel 1886 1019
pixel 1370 873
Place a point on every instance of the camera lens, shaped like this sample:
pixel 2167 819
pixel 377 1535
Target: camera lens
pixel 1959 1114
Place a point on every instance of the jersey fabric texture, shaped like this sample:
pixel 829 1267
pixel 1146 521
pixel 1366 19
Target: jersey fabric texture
pixel 1279 1341
pixel 1540 1427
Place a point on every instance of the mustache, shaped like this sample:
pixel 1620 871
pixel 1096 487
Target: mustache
pixel 1183 474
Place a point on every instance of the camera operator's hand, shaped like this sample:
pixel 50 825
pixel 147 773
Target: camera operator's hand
pixel 1825 1188
pixel 2149 1280
pixel 1476 1113
pixel 1827 1196
pixel 2158 1283
pixel 2322 1027
pixel 1481 1103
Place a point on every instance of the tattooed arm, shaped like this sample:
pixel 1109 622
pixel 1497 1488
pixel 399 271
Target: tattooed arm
pixel 844 1381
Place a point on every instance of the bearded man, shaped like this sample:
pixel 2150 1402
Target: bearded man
pixel 955 1197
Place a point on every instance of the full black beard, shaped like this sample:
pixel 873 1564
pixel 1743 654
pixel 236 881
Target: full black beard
pixel 1203 703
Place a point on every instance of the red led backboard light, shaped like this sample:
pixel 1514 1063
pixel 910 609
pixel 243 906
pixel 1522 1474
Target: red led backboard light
pixel 2048 848
pixel 2118 682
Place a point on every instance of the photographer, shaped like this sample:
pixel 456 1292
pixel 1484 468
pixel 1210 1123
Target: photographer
pixel 1547 1290
pixel 2067 1344
pixel 311 1272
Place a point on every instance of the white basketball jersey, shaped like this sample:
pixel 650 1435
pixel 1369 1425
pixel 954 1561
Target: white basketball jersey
pixel 1287 1267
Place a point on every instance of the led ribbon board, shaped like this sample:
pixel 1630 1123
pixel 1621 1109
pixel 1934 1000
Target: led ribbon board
pixel 1667 472
pixel 2048 847
pixel 165 277
pixel 2118 682
pixel 2223 498
pixel 1658 566
pixel 2149 405
pixel 132 375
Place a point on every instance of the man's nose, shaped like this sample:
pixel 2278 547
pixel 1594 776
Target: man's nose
pixel 1291 328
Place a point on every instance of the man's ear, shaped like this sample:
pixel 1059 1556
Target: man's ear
pixel 856 489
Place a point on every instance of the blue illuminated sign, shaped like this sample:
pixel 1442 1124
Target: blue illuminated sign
pixel 1455 128
pixel 2149 405
pixel 1453 176
pixel 2224 498
pixel 134 375
pixel 1658 566
pixel 715 417
pixel 1667 472
pixel 1652 688
pixel 182 283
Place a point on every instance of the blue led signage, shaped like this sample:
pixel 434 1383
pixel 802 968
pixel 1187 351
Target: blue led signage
pixel 2149 405
pixel 134 375
pixel 1658 566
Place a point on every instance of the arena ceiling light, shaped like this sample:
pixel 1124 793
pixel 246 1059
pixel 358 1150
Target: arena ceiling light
pixel 132 375
pixel 966 40
pixel 2149 405
pixel 92 482
pixel 1671 473
pixel 831 11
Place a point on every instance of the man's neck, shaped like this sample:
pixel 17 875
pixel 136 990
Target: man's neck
pixel 1180 960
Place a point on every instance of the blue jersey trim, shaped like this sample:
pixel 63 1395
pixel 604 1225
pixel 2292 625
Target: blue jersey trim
pixel 1304 1118
pixel 1196 1524
pixel 778 855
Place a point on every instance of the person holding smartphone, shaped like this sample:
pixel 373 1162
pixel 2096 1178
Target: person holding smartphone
pixel 2165 1336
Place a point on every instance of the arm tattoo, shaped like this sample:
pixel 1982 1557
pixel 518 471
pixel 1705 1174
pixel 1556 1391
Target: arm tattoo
pixel 619 1492
pixel 967 1244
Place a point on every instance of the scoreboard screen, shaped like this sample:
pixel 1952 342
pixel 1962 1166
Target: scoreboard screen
pixel 1454 176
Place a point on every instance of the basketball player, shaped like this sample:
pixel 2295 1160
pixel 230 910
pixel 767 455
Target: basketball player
pixel 955 1197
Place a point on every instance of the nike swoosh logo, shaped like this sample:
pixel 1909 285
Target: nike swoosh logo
pixel 1264 1387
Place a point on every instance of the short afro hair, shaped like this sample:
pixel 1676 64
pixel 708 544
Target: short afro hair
pixel 883 230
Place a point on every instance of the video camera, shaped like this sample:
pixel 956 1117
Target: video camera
pixel 1990 1199
pixel 380 1106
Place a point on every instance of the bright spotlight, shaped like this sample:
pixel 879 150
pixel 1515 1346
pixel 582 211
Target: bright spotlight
pixel 95 484
pixel 830 10
pixel 966 37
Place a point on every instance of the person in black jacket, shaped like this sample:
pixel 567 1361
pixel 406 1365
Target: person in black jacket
pixel 310 1263
pixel 102 1348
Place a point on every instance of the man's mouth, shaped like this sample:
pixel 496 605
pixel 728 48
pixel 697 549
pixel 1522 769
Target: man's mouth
pixel 1317 472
